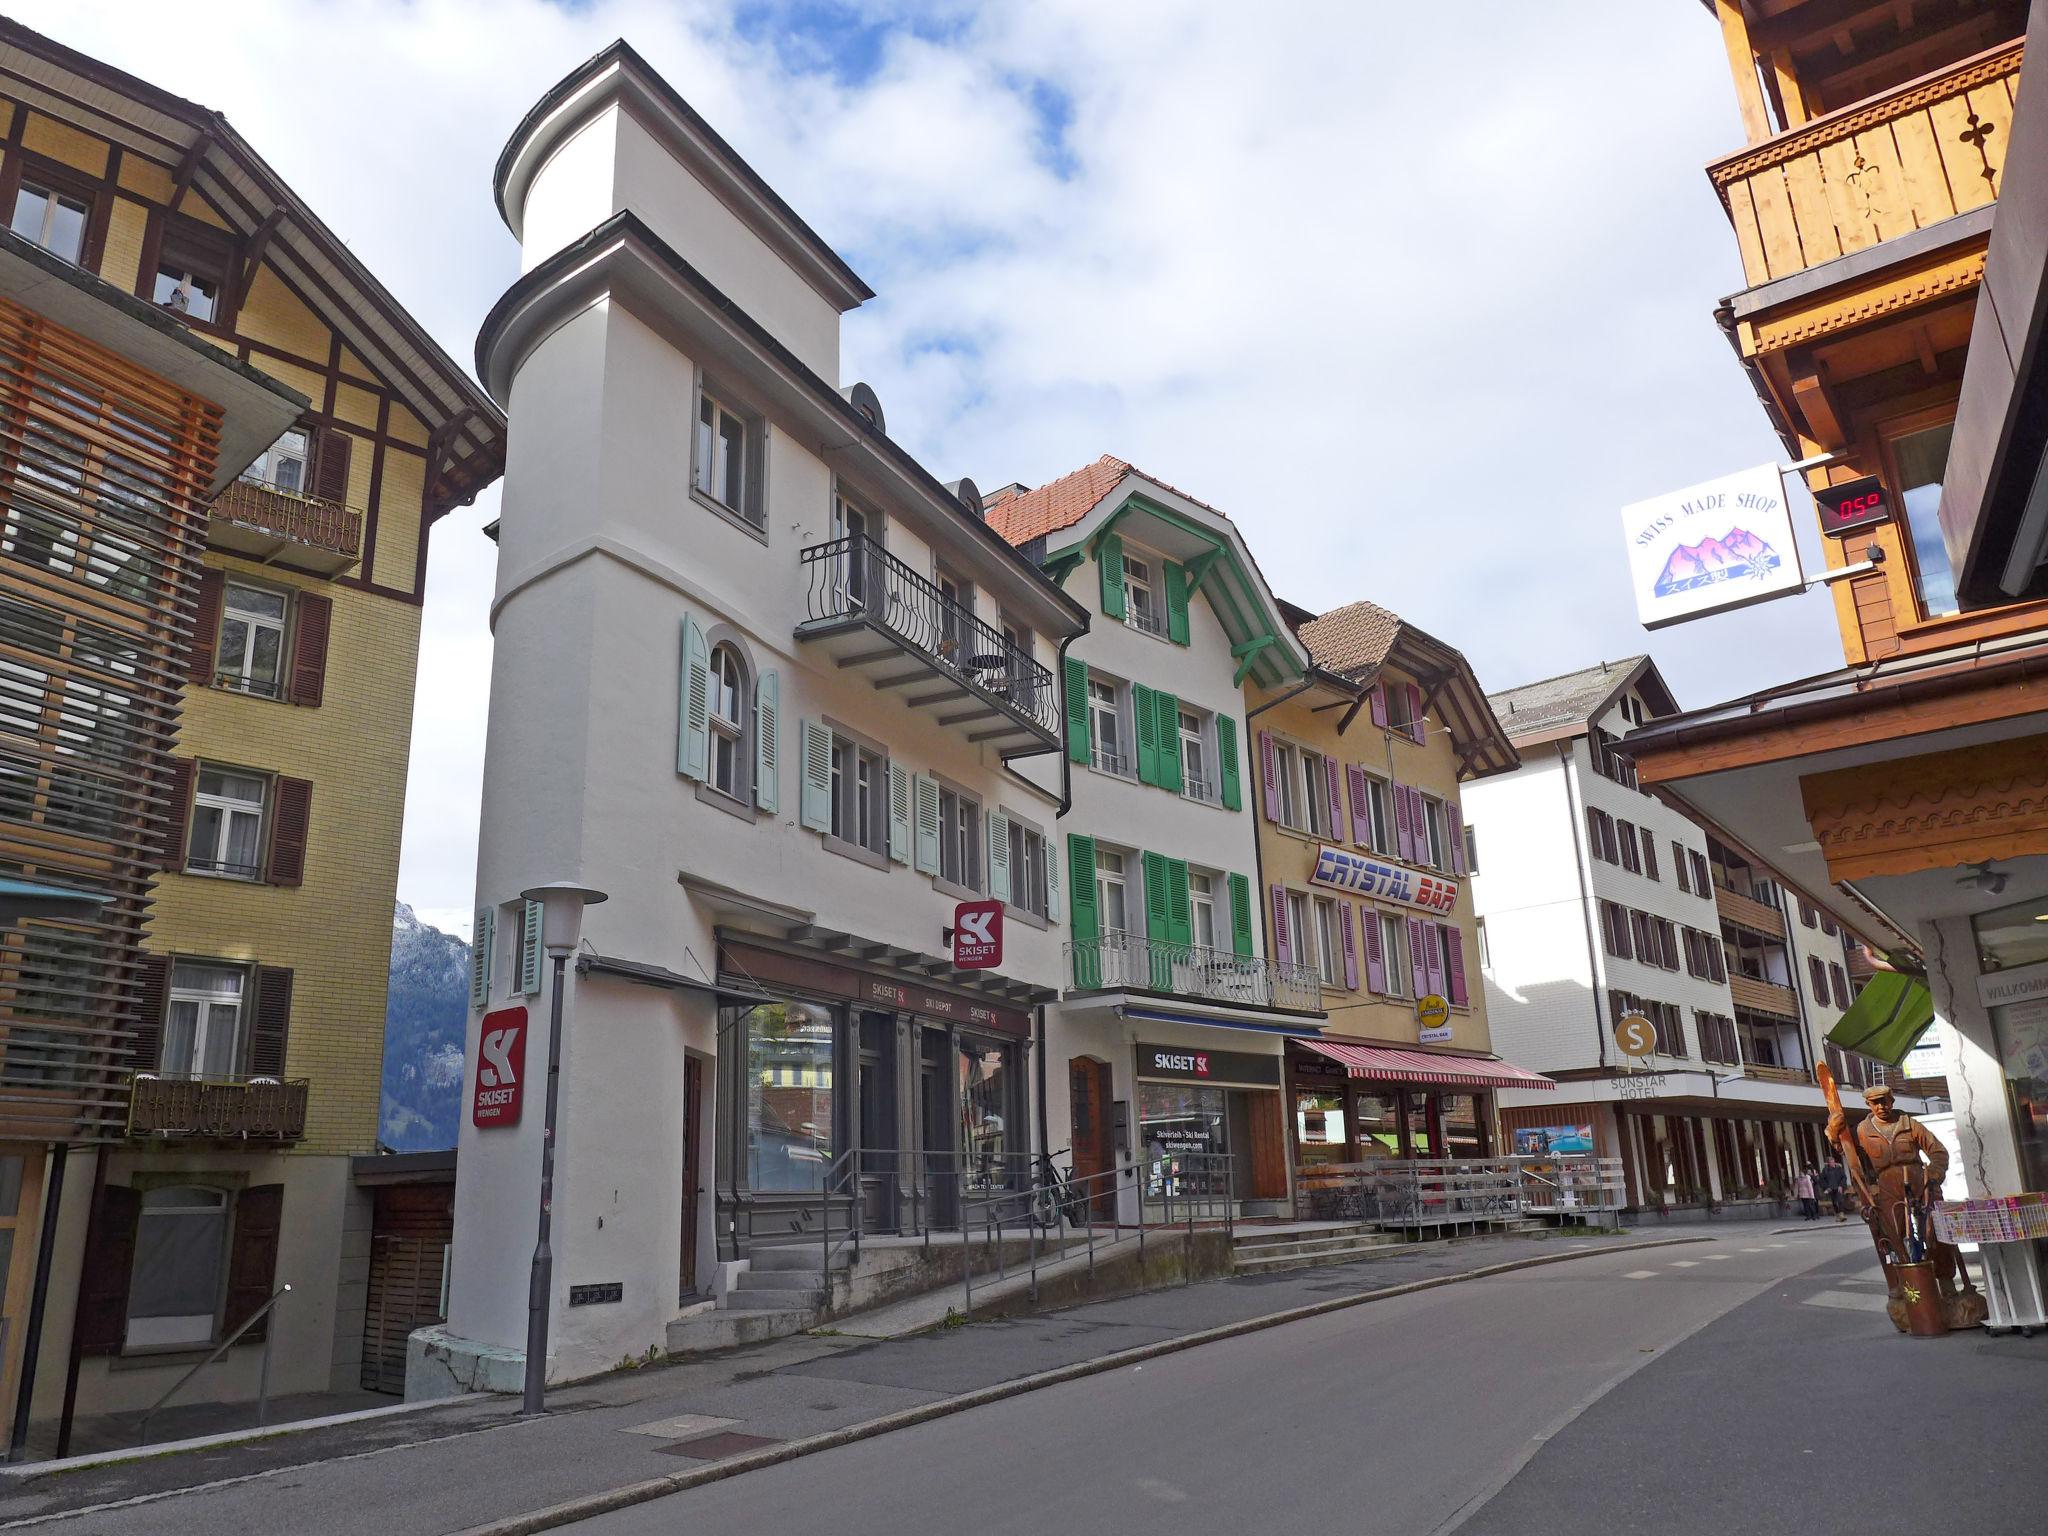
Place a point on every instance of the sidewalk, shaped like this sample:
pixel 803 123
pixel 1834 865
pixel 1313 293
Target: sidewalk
pixel 452 1468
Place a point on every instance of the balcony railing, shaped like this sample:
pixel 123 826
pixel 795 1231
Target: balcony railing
pixel 1747 912
pixel 1191 970
pixel 1796 1076
pixel 1763 996
pixel 1146 619
pixel 854 580
pixel 287 527
pixel 1900 161
pixel 217 1108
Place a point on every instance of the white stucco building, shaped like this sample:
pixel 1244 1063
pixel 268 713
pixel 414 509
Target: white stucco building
pixel 765 681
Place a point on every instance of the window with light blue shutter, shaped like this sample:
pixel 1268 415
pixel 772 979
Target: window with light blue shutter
pixel 814 808
pixel 926 793
pixel 480 956
pixel 767 741
pixel 998 854
pixel 529 949
pixel 1052 878
pixel 693 747
pixel 899 815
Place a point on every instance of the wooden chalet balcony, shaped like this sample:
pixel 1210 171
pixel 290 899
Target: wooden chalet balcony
pixel 1897 162
pixel 217 1109
pixel 870 612
pixel 1763 996
pixel 1797 1077
pixel 1747 912
pixel 285 527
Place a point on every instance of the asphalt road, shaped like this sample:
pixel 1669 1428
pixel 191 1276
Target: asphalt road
pixel 1483 1406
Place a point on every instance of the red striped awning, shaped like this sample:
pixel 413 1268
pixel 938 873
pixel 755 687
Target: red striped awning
pixel 1391 1064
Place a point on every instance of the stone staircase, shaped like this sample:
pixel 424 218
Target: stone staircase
pixel 782 1291
pixel 1301 1245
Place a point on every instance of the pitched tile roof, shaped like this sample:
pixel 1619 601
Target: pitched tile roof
pixel 1352 638
pixel 1057 504
pixel 1560 701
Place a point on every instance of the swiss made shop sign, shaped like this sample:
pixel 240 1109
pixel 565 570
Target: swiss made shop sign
pixel 500 1069
pixel 1712 547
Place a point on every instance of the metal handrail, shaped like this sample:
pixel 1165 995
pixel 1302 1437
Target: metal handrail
pixel 1124 959
pixel 263 1381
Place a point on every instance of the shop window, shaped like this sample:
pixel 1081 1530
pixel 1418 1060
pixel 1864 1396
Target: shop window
pixel 1919 461
pixel 789 1087
pixel 54 220
pixel 1319 1128
pixel 252 631
pixel 180 1275
pixel 1464 1126
pixel 1376 1118
pixel 989 1098
pixel 227 824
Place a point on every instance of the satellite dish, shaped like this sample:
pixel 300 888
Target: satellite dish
pixel 863 399
pixel 969 497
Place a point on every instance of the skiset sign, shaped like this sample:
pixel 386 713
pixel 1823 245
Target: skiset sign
pixel 1712 547
pixel 500 1069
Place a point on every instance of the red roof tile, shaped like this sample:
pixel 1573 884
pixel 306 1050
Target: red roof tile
pixel 1352 638
pixel 1056 504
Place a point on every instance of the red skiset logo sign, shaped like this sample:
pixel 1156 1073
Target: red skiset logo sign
pixel 500 1069
pixel 978 935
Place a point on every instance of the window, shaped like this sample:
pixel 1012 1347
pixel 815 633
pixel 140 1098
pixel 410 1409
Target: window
pixel 1701 885
pixel 1202 908
pixel 1287 776
pixel 227 824
pixel 1433 820
pixel 181 1245
pixel 1717 1037
pixel 1841 985
pixel 956 618
pixel 1142 606
pixel 1329 944
pixel 1195 782
pixel 1827 925
pixel 53 220
pixel 1297 925
pixel 1817 978
pixel 789 1086
pixel 851 530
pixel 1609 761
pixel 203 1027
pixel 1399 716
pixel 728 723
pixel 959 839
pixel 251 655
pixel 1667 942
pixel 1471 850
pixel 1110 892
pixel 1806 914
pixel 1315 784
pixel 860 796
pixel 1028 883
pixel 1600 837
pixel 1105 735
pixel 1393 949
pixel 1631 851
pixel 1920 460
pixel 1485 948
pixel 1378 804
pixel 1020 684
pixel 1614 930
pixel 721 453
pixel 283 465
pixel 189 275
pixel 1664 1018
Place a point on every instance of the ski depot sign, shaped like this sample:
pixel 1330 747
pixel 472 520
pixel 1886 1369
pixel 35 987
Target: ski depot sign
pixel 1712 547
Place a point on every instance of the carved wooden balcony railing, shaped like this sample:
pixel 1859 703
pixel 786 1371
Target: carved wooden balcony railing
pixel 1763 997
pixel 217 1109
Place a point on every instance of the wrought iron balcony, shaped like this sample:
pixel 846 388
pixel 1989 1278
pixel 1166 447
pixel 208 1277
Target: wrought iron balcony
pixel 282 526
pixel 943 658
pixel 1191 970
pixel 217 1108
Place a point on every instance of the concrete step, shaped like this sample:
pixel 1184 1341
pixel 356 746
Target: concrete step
pixel 1255 1232
pixel 802 1256
pixel 770 1300
pixel 1307 1255
pixel 709 1331
pixel 780 1280
pixel 1258 1243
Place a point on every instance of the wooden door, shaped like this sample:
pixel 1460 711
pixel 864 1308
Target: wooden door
pixel 410 1232
pixel 1088 1101
pixel 693 1181
pixel 1269 1147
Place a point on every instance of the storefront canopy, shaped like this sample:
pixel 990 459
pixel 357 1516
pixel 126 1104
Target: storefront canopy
pixel 1887 1019
pixel 1389 1063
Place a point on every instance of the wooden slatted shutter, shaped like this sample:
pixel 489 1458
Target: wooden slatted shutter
pixel 206 626
pixel 1283 946
pixel 1379 705
pixel 1226 763
pixel 1109 560
pixel 153 979
pixel 998 855
pixel 270 1021
pixel 1404 826
pixel 1460 995
pixel 101 1325
pixel 312 622
pixel 1454 820
pixel 925 793
pixel 480 956
pixel 252 1256
pixel 1077 710
pixel 177 814
pixel 1180 917
pixel 1650 855
pixel 814 799
pixel 1375 952
pixel 1166 708
pixel 1418 729
pixel 1148 733
pixel 289 830
pixel 1176 603
pixel 1340 818
pixel 1052 878
pixel 1158 920
pixel 693 715
pixel 1678 863
pixel 767 741
pixel 331 453
pixel 1418 956
pixel 899 815
pixel 1271 785
pixel 1085 914
pixel 1240 887
pixel 529 948
pixel 1350 946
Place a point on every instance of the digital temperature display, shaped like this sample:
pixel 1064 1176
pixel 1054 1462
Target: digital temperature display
pixel 1853 504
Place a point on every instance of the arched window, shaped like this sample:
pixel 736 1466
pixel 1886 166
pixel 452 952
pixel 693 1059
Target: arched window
pixel 731 701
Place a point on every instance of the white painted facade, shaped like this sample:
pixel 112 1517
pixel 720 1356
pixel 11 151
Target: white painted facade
pixel 608 556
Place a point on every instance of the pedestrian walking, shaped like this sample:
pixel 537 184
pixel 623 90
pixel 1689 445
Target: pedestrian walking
pixel 1834 1186
pixel 1803 1187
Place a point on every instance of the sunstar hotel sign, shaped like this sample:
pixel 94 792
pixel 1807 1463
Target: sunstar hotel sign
pixel 1712 547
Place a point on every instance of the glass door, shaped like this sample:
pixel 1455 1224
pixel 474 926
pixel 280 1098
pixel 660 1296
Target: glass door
pixel 988 1129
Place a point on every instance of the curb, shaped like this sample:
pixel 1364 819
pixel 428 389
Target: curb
pixel 630 1494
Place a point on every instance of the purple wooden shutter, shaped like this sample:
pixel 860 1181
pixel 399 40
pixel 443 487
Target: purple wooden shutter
pixel 1340 824
pixel 1417 731
pixel 1283 947
pixel 1456 822
pixel 1361 813
pixel 1434 954
pixel 1379 705
pixel 1350 948
pixel 1375 953
pixel 1459 995
pixel 1269 775
pixel 1418 955
pixel 1404 827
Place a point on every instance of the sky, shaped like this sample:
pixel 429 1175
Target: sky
pixel 1420 294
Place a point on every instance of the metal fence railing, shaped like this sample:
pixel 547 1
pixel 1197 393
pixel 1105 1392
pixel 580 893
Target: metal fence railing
pixel 1121 959
pixel 1427 1193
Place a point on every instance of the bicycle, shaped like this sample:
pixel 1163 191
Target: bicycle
pixel 1058 1196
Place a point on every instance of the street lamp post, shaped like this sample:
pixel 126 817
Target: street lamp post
pixel 561 926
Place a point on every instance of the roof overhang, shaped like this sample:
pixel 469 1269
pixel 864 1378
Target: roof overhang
pixel 1451 690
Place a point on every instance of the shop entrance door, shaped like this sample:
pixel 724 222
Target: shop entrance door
pixel 21 1187
pixel 878 1137
pixel 693 1180
pixel 1088 1105
pixel 938 1114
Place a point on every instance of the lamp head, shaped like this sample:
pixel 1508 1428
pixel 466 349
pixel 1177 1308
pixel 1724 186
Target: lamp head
pixel 561 906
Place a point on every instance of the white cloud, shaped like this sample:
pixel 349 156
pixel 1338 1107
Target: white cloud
pixel 1421 295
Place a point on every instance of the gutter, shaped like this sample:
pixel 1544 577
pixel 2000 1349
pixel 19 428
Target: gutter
pixel 1724 317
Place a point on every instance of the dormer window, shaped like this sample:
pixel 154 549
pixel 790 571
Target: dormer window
pixel 1142 608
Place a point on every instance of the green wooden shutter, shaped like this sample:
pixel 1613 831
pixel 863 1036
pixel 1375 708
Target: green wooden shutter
pixel 480 956
pixel 1052 879
pixel 1082 908
pixel 1109 559
pixel 926 794
pixel 1159 920
pixel 1180 916
pixel 998 854
pixel 1167 708
pixel 1176 603
pixel 1226 763
pixel 899 815
pixel 814 802
pixel 1148 733
pixel 1240 914
pixel 693 748
pixel 1077 710
pixel 529 949
pixel 767 741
